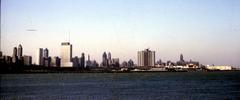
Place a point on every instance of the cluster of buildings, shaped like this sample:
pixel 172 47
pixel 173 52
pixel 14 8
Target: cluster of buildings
pixel 43 58
pixel 128 64
pixel 145 59
pixel 65 59
pixel 17 57
pixel 109 62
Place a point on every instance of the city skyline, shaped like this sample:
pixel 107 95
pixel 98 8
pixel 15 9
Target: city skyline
pixel 205 31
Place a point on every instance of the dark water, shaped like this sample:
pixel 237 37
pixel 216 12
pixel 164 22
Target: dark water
pixel 122 86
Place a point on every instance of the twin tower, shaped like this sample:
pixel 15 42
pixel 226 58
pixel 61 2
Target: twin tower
pixel 43 58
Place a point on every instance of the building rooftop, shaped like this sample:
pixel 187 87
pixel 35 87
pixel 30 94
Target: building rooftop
pixel 65 43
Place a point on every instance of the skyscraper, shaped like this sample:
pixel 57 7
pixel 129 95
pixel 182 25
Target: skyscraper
pixel 56 62
pixel 39 60
pixel 109 59
pixel 115 63
pixel 124 64
pixel 46 58
pixel 104 57
pixel 45 53
pixel 181 58
pixel 109 56
pixel 15 51
pixel 75 61
pixel 88 62
pixel 146 58
pixel 66 54
pixel 14 56
pixel 104 60
pixel 181 61
pixel 27 60
pixel 1 54
pixel 82 60
pixel 130 63
pixel 19 51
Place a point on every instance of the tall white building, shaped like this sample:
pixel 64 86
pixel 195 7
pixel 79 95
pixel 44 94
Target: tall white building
pixel 146 58
pixel 66 54
pixel 39 60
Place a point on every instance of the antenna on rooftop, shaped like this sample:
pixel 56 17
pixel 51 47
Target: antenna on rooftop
pixel 69 36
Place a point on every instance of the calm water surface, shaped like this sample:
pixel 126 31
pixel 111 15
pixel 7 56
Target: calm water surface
pixel 121 86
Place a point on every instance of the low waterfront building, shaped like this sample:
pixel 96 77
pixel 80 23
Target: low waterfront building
pixel 157 69
pixel 219 67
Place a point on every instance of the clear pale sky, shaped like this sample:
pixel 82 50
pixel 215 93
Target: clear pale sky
pixel 207 31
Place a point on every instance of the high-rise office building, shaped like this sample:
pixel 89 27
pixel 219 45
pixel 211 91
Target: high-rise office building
pixel 66 54
pixel 94 64
pixel 110 62
pixel 130 63
pixel 124 64
pixel 181 58
pixel 181 61
pixel 104 57
pixel 46 59
pixel 39 60
pixel 82 60
pixel 115 62
pixel 7 59
pixel 14 56
pixel 88 62
pixel 75 61
pixel 109 56
pixel 56 62
pixel 1 58
pixel 27 60
pixel 104 60
pixel 19 51
pixel 45 53
pixel 146 58
pixel 15 51
pixel 1 54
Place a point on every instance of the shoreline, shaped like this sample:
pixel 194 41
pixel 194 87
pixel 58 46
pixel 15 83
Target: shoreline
pixel 84 71
pixel 41 69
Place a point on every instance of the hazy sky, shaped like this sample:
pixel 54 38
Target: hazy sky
pixel 207 31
